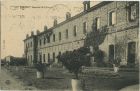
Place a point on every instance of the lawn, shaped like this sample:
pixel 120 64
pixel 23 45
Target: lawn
pixel 60 79
pixel 111 84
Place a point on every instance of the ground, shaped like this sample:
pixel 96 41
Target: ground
pixel 8 82
pixel 58 79
pixel 131 88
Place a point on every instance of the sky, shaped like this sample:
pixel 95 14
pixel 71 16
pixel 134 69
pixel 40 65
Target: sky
pixel 20 17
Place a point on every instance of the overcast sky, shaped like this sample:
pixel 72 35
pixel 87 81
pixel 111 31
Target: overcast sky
pixel 18 21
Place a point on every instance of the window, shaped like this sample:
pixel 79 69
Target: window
pixel 59 53
pixel 40 42
pixel 84 27
pixel 67 34
pixel 48 39
pixel 40 57
pixel 75 31
pixel 26 45
pixel 112 18
pixel 31 58
pixel 111 52
pixel 28 57
pixel 31 44
pixel 134 12
pixel 44 57
pixel 59 35
pixel 54 57
pixel 48 57
pixel 53 37
pixel 44 41
pixel 98 22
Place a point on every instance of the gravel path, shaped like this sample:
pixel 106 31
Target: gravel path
pixel 8 82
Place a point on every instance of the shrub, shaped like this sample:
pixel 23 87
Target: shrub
pixel 74 60
pixel 99 55
pixel 17 62
pixel 40 66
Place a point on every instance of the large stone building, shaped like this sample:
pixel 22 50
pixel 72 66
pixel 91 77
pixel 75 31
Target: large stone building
pixel 120 17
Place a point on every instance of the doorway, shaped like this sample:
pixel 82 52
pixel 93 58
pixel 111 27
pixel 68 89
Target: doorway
pixel 111 52
pixel 131 56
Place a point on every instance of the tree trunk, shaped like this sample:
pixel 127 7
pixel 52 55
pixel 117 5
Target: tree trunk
pixel 76 75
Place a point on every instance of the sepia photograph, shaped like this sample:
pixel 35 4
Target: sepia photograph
pixel 69 45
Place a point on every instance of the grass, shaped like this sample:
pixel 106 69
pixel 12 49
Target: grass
pixel 59 79
pixel 111 84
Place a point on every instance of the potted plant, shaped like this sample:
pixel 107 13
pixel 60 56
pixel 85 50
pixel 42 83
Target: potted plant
pixel 73 61
pixel 40 69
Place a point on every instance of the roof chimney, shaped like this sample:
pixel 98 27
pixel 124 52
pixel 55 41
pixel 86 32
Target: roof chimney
pixel 86 5
pixel 55 22
pixel 45 28
pixel 68 15
pixel 37 32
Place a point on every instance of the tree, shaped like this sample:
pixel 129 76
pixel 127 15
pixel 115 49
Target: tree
pixel 74 60
pixel 41 68
pixel 98 55
pixel 95 38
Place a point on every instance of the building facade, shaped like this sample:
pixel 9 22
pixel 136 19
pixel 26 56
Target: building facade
pixel 120 17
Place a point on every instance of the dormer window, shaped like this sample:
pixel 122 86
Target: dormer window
pixel 86 5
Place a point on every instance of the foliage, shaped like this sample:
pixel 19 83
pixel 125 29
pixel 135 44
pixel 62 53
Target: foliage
pixel 18 62
pixel 98 56
pixel 74 60
pixel 120 47
pixel 95 38
pixel 40 66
